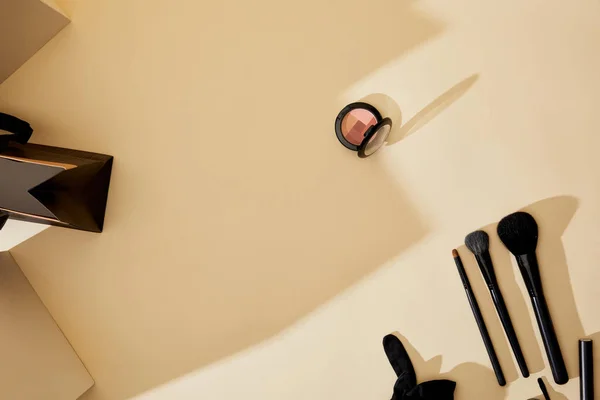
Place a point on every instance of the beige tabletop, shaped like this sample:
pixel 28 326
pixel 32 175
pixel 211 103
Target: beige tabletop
pixel 247 254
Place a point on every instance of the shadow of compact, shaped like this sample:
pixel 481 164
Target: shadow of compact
pixel 390 109
pixel 553 216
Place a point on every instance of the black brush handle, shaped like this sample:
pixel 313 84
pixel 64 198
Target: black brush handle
pixel 586 369
pixel 543 388
pixel 487 341
pixel 531 275
pixel 555 358
pixel 510 330
pixel 487 270
pixel 485 336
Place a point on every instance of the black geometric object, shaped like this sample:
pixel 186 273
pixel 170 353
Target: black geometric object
pixel 3 219
pixel 54 186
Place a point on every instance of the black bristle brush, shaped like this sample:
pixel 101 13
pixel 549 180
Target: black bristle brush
pixel 519 233
pixel 479 243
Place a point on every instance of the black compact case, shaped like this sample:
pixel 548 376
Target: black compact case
pixel 51 185
pixel 374 135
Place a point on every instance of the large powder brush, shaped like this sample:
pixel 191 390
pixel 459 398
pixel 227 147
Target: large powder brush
pixel 519 233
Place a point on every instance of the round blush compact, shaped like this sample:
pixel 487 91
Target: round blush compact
pixel 360 127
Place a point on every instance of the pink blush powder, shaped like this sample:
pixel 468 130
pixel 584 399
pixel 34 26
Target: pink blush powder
pixel 356 123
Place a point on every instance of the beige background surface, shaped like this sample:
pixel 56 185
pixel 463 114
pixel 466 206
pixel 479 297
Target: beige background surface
pixel 15 232
pixel 247 254
pixel 37 360
pixel 25 26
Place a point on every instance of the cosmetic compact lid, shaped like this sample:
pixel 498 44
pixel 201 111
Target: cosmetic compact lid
pixel 375 138
pixel 360 127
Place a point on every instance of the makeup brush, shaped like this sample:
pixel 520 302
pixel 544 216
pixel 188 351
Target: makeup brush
pixel 543 388
pixel 479 243
pixel 485 336
pixel 586 369
pixel 3 219
pixel 519 233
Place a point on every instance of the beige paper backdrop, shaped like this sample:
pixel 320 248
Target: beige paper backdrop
pixel 37 360
pixel 25 26
pixel 247 254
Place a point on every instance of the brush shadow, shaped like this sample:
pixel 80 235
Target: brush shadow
pixel 553 216
pixel 473 381
pixel 554 395
pixel 432 110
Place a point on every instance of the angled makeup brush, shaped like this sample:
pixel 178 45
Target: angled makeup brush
pixel 519 233
pixel 485 336
pixel 3 219
pixel 479 243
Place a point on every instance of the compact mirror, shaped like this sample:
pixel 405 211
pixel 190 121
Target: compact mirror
pixel 361 128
